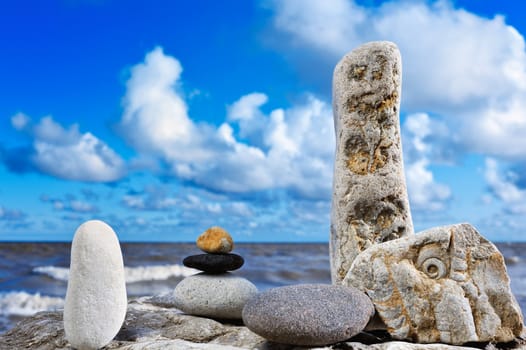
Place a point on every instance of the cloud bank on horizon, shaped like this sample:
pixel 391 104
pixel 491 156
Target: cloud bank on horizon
pixel 265 171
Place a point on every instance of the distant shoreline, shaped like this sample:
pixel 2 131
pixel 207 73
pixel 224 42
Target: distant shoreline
pixel 169 242
pixel 193 242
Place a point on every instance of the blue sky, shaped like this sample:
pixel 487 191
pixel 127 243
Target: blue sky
pixel 164 118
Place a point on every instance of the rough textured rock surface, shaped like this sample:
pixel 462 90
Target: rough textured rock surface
pixel 447 284
pixel 308 314
pixel 214 263
pixel 217 296
pixel 96 301
pixel 153 323
pixel 369 202
pixel 215 240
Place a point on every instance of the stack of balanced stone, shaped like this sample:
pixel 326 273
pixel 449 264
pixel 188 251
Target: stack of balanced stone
pixel 215 292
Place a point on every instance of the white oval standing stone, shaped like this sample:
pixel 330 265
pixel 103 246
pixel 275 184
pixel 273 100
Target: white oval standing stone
pixel 96 301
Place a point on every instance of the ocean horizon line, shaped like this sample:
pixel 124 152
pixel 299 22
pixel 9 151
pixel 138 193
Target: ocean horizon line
pixel 166 242
pixel 8 241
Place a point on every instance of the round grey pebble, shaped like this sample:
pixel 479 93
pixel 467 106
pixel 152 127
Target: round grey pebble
pixel 308 314
pixel 220 296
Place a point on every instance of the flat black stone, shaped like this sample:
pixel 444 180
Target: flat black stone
pixel 214 263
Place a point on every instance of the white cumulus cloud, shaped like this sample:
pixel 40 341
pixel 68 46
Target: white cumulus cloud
pixel 446 64
pixel 467 68
pixel 325 25
pixel 155 116
pixel 65 153
pixel 250 151
pixel 19 121
pixel 424 192
pixel 247 114
pixel 498 131
pixel 447 67
pixel 504 188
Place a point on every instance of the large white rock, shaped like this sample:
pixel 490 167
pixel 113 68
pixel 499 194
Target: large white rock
pixel 447 284
pixel 96 301
pixel 369 201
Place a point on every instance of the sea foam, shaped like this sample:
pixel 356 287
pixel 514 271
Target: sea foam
pixel 156 272
pixel 133 274
pixel 55 272
pixel 25 304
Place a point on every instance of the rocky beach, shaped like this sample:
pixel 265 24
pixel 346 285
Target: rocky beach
pixel 155 323
pixel 152 269
pixel 444 288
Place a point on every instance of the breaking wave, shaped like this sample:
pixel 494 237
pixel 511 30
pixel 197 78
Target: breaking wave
pixel 25 304
pixel 58 273
pixel 133 274
pixel 156 272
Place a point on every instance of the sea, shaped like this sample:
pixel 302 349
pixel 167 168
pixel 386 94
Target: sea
pixel 33 276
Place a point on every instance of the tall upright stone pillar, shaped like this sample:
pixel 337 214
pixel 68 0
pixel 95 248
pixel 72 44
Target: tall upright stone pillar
pixel 369 201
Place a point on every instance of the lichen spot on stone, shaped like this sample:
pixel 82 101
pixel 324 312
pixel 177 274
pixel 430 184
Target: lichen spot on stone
pixel 357 72
pixel 377 74
pixel 388 102
pixel 358 162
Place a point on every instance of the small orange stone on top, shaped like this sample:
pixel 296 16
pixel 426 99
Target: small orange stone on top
pixel 215 240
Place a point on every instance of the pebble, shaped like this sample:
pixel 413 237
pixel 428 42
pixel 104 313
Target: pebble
pixel 308 314
pixel 215 240
pixel 214 263
pixel 96 302
pixel 220 296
